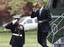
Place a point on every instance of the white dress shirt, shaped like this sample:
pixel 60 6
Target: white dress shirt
pixel 41 10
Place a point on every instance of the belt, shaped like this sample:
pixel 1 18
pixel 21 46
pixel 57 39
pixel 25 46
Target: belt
pixel 17 34
pixel 42 21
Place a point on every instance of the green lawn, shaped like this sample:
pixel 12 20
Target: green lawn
pixel 30 39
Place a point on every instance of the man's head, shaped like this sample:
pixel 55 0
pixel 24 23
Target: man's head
pixel 15 20
pixel 38 4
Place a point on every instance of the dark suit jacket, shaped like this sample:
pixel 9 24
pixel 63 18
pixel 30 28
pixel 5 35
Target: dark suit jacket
pixel 45 15
pixel 43 27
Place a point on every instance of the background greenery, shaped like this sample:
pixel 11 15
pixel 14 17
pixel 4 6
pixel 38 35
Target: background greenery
pixel 16 5
pixel 30 39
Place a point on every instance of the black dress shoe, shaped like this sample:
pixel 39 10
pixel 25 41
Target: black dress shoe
pixel 45 46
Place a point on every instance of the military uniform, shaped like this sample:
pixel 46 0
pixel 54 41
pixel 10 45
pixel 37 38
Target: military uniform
pixel 18 35
pixel 43 25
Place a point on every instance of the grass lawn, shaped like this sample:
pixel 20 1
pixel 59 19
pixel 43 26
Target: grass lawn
pixel 30 39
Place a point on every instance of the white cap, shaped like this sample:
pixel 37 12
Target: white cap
pixel 17 16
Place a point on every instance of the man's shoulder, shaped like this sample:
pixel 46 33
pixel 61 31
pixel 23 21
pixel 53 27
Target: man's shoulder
pixel 46 9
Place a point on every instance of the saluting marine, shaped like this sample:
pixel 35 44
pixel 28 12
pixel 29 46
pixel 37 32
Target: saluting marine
pixel 18 34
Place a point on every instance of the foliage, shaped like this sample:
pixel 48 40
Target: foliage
pixel 17 5
pixel 4 30
pixel 30 39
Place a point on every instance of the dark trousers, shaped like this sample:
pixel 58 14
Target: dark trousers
pixel 42 38
pixel 17 46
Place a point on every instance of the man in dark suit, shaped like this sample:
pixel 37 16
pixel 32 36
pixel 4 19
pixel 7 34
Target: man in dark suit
pixel 18 34
pixel 44 17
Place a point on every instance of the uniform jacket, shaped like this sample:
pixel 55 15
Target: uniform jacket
pixel 16 39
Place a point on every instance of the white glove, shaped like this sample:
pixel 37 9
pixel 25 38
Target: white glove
pixel 14 21
pixel 4 24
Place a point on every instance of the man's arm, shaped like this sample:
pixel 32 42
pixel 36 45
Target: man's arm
pixel 34 14
pixel 8 26
pixel 48 15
